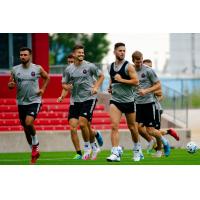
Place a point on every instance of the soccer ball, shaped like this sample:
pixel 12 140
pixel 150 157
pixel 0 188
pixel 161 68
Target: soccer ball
pixel 191 147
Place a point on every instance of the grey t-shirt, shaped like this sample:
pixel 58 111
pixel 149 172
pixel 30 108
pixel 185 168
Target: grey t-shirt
pixel 147 78
pixel 27 83
pixel 82 79
pixel 121 92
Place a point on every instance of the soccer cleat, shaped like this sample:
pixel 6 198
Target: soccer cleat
pixel 173 133
pixel 137 156
pixel 141 155
pixel 167 149
pixel 86 155
pixel 99 138
pixel 77 157
pixel 95 153
pixel 35 153
pixel 150 146
pixel 113 158
pixel 158 154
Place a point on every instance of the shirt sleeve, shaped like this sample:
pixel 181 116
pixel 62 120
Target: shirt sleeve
pixel 152 76
pixel 65 77
pixel 95 71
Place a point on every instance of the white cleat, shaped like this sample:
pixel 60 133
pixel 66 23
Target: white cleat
pixel 86 155
pixel 113 158
pixel 137 156
pixel 95 153
pixel 158 154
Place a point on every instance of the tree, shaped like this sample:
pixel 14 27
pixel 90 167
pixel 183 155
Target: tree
pixel 61 44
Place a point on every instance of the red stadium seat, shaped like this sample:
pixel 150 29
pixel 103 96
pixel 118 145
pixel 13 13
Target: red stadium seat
pixel 53 116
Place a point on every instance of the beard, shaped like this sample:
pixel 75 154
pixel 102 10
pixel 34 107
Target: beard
pixel 120 58
pixel 24 61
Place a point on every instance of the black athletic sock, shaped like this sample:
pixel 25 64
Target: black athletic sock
pixel 79 152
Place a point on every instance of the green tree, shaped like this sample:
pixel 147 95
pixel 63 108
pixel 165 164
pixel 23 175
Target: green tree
pixel 61 44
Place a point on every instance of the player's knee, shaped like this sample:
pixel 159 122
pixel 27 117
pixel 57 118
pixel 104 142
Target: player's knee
pixel 131 127
pixel 82 124
pixel 28 123
pixel 73 129
pixel 114 126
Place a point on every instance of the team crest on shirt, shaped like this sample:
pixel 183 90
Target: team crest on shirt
pixel 18 74
pixel 85 71
pixel 142 75
pixel 32 73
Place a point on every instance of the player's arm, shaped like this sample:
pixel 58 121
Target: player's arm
pixel 132 74
pixel 155 87
pixel 65 89
pixel 158 92
pixel 98 83
pixel 11 83
pixel 110 86
pixel 46 79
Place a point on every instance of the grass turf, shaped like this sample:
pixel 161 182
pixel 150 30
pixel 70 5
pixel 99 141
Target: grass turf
pixel 177 157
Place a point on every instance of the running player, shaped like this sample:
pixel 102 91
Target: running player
pixel 145 101
pixel 123 80
pixel 25 77
pixel 158 112
pixel 83 92
pixel 73 122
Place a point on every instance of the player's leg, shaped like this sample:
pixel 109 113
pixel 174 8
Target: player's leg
pixel 31 114
pixel 73 116
pixel 98 136
pixel 115 116
pixel 140 119
pixel 95 148
pixel 85 117
pixel 156 133
pixel 22 117
pixel 137 149
pixel 73 123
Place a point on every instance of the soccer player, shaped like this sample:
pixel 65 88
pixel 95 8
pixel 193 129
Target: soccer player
pixel 145 101
pixel 84 94
pixel 158 112
pixel 123 80
pixel 73 122
pixel 25 77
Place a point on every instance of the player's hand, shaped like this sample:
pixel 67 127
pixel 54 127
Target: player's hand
pixel 118 77
pixel 60 99
pixel 142 92
pixel 69 86
pixel 94 90
pixel 109 90
pixel 160 97
pixel 40 92
pixel 11 85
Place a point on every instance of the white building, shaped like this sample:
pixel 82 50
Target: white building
pixel 184 54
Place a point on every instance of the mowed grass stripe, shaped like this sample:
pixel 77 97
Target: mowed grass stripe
pixel 177 157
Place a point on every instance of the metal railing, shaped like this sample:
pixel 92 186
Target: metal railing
pixel 175 104
pixel 59 69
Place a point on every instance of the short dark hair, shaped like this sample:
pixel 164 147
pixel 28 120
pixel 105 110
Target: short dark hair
pixel 78 46
pixel 70 56
pixel 147 61
pixel 119 44
pixel 25 49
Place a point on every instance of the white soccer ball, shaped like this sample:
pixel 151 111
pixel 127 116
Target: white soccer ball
pixel 191 147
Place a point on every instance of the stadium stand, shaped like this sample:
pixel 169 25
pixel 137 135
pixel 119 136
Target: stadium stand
pixel 53 116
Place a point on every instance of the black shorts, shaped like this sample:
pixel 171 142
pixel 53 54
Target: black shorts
pixel 124 107
pixel 145 114
pixel 28 110
pixel 82 109
pixel 157 119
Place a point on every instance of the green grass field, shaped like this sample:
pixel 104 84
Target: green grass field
pixel 177 157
